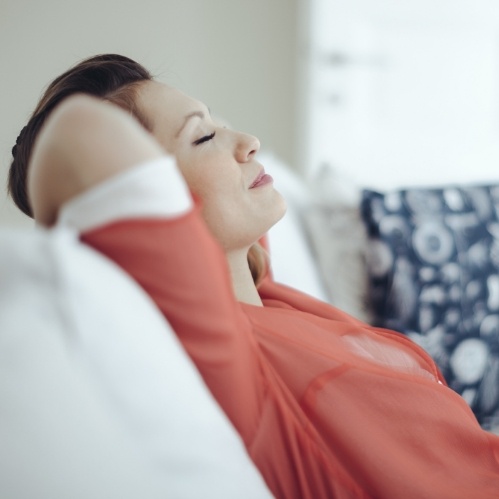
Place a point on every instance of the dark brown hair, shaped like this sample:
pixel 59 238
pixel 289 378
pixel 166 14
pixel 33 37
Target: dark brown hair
pixel 110 76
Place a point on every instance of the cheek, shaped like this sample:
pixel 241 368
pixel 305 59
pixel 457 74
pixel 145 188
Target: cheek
pixel 219 206
pixel 200 187
pixel 210 188
pixel 191 176
pixel 217 188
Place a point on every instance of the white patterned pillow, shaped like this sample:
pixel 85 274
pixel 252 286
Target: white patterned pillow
pixel 338 237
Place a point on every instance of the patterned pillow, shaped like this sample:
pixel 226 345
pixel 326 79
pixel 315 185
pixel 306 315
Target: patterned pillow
pixel 433 265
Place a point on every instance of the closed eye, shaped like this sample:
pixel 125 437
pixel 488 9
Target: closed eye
pixel 206 138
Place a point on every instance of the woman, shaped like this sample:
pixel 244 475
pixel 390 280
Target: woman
pixel 326 405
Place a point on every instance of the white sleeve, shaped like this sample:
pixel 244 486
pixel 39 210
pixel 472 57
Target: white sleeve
pixel 155 188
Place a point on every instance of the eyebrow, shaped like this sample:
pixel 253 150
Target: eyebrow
pixel 199 114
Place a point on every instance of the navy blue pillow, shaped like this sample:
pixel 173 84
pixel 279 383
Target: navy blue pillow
pixel 433 265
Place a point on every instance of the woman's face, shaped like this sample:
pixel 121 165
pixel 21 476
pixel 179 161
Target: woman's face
pixel 239 204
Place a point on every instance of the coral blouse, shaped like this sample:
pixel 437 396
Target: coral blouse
pixel 326 405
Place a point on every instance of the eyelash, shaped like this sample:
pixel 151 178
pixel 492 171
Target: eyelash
pixel 206 138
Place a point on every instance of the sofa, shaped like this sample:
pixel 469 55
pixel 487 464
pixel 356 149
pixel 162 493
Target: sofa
pixel 98 398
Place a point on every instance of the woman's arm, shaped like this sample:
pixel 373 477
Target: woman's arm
pixel 84 171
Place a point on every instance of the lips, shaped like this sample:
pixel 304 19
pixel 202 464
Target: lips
pixel 261 179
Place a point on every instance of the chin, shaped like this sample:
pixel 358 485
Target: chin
pixel 281 207
pixel 278 211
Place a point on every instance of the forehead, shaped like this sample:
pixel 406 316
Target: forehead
pixel 165 107
pixel 160 94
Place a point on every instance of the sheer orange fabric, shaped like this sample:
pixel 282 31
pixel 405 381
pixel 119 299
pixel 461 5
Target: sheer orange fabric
pixel 326 405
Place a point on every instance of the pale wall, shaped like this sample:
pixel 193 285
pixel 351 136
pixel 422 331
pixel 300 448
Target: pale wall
pixel 237 56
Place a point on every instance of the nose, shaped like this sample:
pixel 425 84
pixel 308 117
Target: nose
pixel 247 147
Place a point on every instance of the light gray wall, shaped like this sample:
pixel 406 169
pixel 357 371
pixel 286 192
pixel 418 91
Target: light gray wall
pixel 238 56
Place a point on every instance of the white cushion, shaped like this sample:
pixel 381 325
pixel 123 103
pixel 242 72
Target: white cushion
pixel 97 397
pixel 339 240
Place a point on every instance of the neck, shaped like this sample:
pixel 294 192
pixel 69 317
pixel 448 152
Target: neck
pixel 242 280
